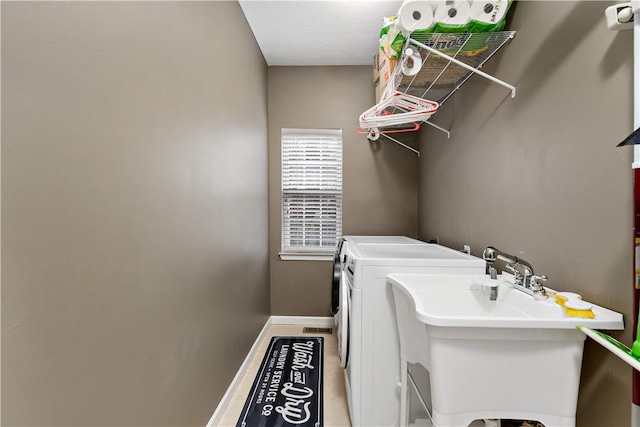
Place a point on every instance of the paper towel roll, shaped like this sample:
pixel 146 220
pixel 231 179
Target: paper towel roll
pixel 452 15
pixel 415 15
pixel 488 15
pixel 489 11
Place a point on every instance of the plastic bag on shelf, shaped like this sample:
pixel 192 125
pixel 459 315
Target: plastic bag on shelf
pixel 488 15
pixel 391 38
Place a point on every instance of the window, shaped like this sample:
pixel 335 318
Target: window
pixel 311 192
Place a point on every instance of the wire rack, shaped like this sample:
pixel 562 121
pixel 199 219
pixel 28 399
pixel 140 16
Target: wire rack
pixel 448 61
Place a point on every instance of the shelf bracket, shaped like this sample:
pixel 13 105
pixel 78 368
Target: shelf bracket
pixel 405 145
pixel 439 128
pixel 401 143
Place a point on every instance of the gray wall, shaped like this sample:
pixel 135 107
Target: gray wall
pixel 379 179
pixel 539 176
pixel 134 210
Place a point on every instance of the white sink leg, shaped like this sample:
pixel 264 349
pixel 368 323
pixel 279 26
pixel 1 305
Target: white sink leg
pixel 404 393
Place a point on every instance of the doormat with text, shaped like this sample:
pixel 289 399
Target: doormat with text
pixel 287 390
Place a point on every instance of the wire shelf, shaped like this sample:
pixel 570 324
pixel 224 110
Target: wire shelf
pixel 440 76
pixel 446 62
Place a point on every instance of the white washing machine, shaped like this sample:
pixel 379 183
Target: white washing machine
pixel 368 340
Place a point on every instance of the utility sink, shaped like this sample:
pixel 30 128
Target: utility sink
pixel 512 358
pixel 463 301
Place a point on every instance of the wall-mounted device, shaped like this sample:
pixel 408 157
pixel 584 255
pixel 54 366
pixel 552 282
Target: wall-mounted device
pixel 620 16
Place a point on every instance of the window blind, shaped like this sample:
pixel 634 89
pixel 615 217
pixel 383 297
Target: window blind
pixel 311 190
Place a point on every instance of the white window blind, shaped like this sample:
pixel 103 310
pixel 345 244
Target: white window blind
pixel 311 190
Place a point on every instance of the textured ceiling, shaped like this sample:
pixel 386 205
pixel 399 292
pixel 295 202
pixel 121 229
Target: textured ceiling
pixel 318 32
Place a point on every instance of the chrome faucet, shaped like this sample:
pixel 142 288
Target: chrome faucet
pixel 493 274
pixel 524 278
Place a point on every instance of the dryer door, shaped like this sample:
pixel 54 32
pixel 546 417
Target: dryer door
pixel 342 321
pixel 335 284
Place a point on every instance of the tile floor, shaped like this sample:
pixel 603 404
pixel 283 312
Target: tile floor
pixel 336 413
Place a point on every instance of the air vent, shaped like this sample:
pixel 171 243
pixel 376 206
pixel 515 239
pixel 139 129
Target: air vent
pixel 309 330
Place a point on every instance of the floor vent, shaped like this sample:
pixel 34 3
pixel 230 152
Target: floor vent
pixel 309 330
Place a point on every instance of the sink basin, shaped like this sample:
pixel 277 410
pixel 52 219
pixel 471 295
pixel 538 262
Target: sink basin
pixel 512 358
pixel 463 301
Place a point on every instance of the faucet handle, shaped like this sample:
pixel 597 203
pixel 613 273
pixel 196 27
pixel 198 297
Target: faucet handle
pixel 535 282
pixel 537 279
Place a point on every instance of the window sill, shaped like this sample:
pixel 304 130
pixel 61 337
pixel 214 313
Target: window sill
pixel 289 256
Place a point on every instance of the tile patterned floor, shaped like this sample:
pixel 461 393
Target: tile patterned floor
pixel 336 413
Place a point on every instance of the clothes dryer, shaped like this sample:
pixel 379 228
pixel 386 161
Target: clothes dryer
pixel 368 340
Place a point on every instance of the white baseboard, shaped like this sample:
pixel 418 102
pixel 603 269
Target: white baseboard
pixel 226 399
pixel 273 320
pixel 302 320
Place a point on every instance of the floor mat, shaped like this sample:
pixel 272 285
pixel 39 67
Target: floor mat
pixel 287 390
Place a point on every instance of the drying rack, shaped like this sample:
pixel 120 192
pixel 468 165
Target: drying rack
pixel 446 61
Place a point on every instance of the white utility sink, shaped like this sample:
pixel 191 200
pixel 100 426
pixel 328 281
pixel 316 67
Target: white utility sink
pixel 514 358
pixel 463 301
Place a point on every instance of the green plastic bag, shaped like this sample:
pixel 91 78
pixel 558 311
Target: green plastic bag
pixel 391 39
pixel 476 26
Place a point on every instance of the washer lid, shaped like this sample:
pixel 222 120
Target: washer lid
pixel 420 252
pixel 383 240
